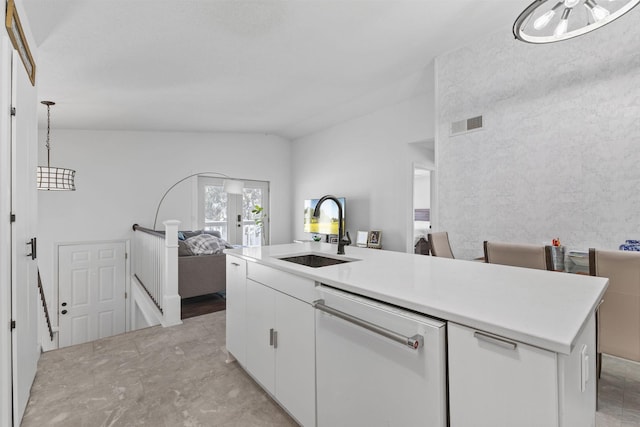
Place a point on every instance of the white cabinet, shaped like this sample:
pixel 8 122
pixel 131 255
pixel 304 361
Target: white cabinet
pixel 498 382
pixel 261 333
pixel 281 349
pixel 236 313
pixel 271 332
pixel 295 358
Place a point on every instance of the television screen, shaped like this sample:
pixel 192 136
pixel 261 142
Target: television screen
pixel 327 223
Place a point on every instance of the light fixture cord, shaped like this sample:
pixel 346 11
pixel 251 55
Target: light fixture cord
pixel 48 133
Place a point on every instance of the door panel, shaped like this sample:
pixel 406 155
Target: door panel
pixel 230 214
pixel 6 167
pixel 295 363
pixel 92 291
pixel 24 278
pixel 260 311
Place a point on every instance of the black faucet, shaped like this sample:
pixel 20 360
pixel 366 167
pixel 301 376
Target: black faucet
pixel 342 239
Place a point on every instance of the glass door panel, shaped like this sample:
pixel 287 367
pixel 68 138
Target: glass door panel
pixel 252 233
pixel 231 214
pixel 215 209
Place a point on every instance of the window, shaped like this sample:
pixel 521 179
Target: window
pixel 231 214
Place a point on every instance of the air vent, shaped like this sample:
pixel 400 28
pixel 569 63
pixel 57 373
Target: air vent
pixel 465 126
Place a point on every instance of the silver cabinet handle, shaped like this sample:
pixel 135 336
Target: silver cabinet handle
pixel 235 264
pixel 275 339
pixel 414 342
pixel 271 332
pixel 500 342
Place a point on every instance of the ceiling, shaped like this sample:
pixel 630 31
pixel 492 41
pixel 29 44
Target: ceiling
pixel 284 67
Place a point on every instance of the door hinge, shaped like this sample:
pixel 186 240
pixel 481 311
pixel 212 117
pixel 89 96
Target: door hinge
pixel 13 111
pixel 12 218
pixel 13 324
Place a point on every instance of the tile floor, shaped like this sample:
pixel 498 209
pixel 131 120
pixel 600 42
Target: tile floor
pixel 619 400
pixel 178 377
pixel 154 377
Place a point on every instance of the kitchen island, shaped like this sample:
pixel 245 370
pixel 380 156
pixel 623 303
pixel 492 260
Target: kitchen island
pixel 547 317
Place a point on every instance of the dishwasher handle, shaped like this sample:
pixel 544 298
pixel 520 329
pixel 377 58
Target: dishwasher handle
pixel 414 342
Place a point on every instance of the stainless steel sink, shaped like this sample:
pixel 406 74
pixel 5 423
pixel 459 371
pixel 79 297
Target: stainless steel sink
pixel 315 261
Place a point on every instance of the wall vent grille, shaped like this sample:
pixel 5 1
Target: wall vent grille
pixel 467 125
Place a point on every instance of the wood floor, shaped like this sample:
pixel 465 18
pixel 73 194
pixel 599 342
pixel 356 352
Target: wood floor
pixel 205 304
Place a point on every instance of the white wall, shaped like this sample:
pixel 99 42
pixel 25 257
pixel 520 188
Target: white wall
pixel 121 176
pixel 559 156
pixel 368 160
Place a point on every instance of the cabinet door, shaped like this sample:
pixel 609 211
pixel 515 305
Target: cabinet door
pixel 295 358
pixel 236 306
pixel 492 385
pixel 260 322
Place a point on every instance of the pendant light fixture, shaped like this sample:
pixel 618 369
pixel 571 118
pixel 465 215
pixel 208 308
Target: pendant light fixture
pixel 548 21
pixel 52 178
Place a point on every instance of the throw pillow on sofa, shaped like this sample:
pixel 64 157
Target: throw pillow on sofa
pixel 183 249
pixel 206 244
pixel 188 234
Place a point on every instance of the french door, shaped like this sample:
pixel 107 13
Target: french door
pixel 230 214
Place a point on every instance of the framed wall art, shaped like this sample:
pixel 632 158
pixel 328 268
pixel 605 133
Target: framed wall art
pixel 19 41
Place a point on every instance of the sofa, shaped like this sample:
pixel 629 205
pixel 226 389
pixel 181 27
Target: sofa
pixel 200 274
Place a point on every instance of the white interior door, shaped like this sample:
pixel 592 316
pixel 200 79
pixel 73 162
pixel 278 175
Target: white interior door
pixel 91 283
pixel 5 233
pixel 24 270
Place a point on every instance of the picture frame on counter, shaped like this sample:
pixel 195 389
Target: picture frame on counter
pixel 375 239
pixel 362 239
pixel 332 238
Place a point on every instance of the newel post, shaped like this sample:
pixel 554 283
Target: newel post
pixel 171 298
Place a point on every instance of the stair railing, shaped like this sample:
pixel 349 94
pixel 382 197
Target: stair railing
pixel 44 305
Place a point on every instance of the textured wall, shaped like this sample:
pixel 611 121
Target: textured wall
pixel 560 152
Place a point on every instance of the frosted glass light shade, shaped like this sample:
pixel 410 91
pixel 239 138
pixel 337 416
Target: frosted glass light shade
pixel 233 186
pixel 56 179
pixel 548 21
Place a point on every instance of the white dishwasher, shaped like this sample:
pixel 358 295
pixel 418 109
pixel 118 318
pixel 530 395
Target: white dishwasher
pixel 377 365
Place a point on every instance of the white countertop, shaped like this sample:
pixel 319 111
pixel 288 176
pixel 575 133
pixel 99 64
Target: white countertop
pixel 542 308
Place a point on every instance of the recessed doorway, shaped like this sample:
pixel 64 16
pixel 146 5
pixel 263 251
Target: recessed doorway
pixel 421 203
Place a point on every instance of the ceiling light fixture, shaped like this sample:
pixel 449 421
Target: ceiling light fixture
pixel 548 21
pixel 52 178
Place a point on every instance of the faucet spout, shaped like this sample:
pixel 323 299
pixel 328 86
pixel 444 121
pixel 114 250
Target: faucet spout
pixel 342 241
